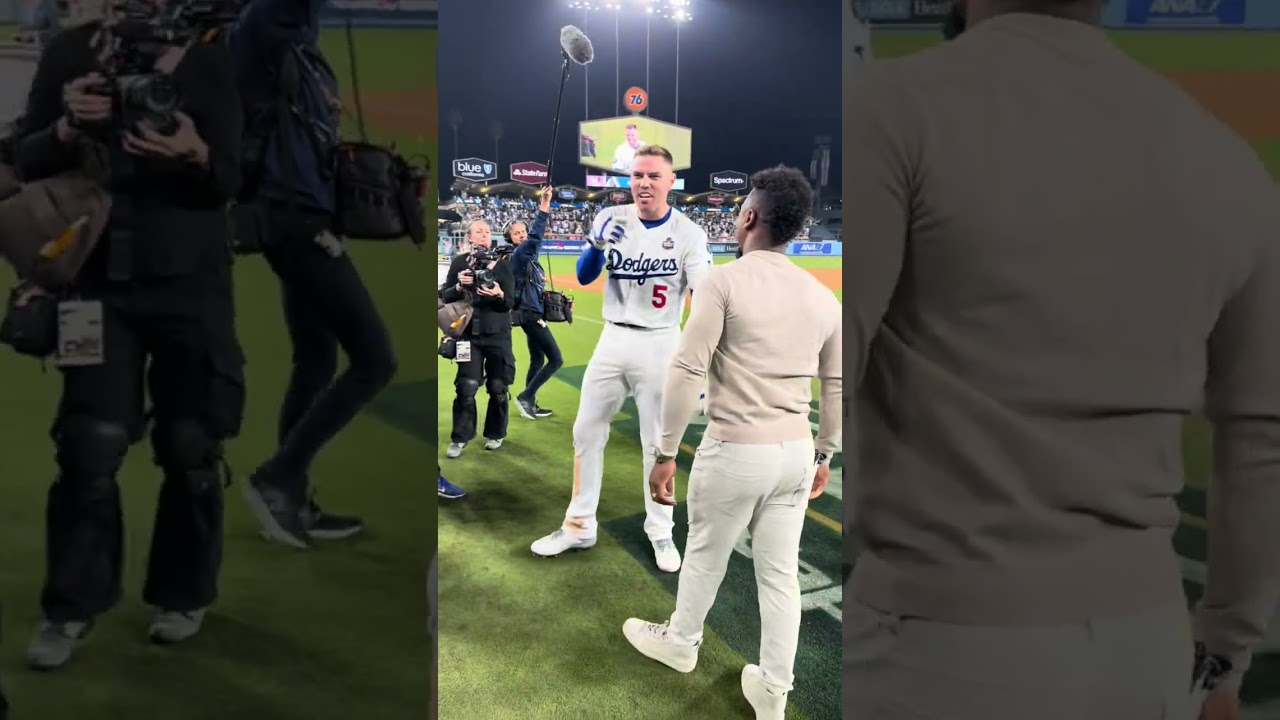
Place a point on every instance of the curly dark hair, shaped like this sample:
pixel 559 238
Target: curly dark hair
pixel 785 201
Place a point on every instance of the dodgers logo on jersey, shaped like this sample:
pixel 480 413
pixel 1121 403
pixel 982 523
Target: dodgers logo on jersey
pixel 639 268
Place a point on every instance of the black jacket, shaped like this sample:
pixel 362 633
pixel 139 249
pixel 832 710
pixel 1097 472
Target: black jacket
pixel 492 315
pixel 169 218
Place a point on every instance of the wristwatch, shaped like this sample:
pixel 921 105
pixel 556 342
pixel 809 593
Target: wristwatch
pixel 820 458
pixel 659 458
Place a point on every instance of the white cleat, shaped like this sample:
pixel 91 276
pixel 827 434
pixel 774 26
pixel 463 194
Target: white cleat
pixel 667 556
pixel 654 642
pixel 768 704
pixel 560 542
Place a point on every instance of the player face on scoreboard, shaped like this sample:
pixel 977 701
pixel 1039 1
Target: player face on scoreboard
pixel 651 181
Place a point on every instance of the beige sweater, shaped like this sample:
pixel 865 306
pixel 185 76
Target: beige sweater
pixel 762 329
pixel 1052 253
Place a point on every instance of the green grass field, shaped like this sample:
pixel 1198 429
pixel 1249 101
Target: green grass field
pixel 338 633
pixel 1189 52
pixel 541 638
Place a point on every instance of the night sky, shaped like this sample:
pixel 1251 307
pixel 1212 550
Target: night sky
pixel 758 80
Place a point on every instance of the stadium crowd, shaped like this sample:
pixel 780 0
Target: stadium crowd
pixel 573 219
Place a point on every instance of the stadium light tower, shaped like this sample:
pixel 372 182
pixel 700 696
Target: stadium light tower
pixel 679 12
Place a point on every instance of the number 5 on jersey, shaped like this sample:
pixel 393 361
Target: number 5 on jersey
pixel 659 295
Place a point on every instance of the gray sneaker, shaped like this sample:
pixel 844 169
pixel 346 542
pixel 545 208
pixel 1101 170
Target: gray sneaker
pixel 280 517
pixel 171 626
pixel 528 408
pixel 455 449
pixel 54 642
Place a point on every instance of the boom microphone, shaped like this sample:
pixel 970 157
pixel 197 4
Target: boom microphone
pixel 576 47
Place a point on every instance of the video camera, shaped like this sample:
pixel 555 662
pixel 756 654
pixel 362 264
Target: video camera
pixel 478 262
pixel 144 32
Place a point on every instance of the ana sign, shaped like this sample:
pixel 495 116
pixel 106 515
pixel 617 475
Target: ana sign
pixel 475 169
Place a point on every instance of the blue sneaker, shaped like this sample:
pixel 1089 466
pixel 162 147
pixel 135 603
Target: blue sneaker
pixel 448 490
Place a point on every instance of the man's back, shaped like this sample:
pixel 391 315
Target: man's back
pixel 1077 225
pixel 778 319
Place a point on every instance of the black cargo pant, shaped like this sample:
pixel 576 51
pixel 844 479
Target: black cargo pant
pixel 493 363
pixel 174 340
pixel 326 306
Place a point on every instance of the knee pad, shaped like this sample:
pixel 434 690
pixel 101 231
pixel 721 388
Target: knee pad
pixel 183 445
pixel 496 387
pixel 90 447
pixel 467 389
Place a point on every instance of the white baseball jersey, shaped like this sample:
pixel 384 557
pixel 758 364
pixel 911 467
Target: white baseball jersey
pixel 651 269
pixel 624 156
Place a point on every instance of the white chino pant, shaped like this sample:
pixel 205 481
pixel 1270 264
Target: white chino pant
pixel 764 489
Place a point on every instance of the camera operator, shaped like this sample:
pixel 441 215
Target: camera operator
pixel 292 113
pixel 531 282
pixel 152 315
pixel 484 350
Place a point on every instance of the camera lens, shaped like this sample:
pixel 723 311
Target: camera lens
pixel 159 95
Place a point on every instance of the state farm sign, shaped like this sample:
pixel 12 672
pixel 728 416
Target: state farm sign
pixel 529 173
pixel 729 181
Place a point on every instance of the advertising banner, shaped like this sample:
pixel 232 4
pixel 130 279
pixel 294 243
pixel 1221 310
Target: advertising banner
pixel 383 13
pixel 811 249
pixel 1185 13
pixel 475 169
pixel 729 181
pixel 562 247
pixel 621 181
pixel 529 173
pixel 1117 14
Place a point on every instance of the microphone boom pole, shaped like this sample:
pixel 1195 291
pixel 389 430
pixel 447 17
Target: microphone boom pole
pixel 575 47
pixel 555 125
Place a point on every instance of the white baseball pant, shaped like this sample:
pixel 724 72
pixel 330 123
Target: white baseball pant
pixel 626 362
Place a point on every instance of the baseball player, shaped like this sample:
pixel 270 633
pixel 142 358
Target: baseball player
pixel 653 255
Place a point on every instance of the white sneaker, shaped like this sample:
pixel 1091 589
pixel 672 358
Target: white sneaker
pixel 667 556
pixel 492 444
pixel 455 449
pixel 653 641
pixel 559 542
pixel 768 704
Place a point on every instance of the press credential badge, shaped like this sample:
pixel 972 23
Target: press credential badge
pixel 80 340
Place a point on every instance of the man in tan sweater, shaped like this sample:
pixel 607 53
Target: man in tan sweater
pixel 1055 257
pixel 762 329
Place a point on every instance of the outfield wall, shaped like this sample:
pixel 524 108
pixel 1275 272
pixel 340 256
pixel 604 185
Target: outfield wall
pixel 361 13
pixel 796 249
pixel 1118 14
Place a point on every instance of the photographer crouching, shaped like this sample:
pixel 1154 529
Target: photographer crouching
pixel 151 312
pixel 484 350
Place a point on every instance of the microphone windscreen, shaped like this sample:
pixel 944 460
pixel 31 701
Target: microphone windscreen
pixel 576 45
